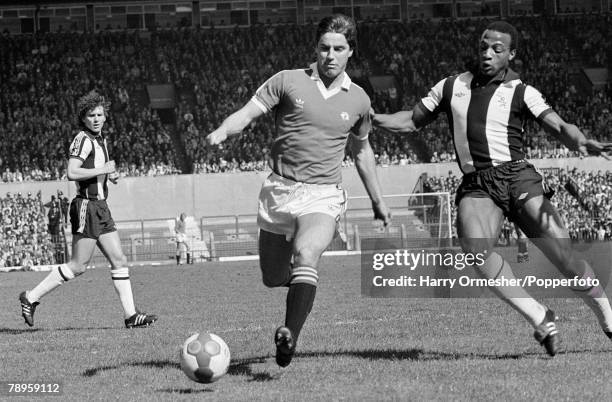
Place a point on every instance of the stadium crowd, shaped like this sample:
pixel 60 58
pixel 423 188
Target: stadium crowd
pixel 215 71
pixel 24 238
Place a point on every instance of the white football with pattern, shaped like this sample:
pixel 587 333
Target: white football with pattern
pixel 205 357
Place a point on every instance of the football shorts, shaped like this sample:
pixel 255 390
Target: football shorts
pixel 509 185
pixel 90 218
pixel 282 201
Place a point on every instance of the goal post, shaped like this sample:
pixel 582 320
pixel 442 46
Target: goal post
pixel 417 219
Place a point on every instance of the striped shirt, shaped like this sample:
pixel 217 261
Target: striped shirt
pixel 312 123
pixel 487 121
pixel 93 152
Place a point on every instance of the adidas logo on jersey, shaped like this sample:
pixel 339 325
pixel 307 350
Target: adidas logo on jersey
pixel 299 103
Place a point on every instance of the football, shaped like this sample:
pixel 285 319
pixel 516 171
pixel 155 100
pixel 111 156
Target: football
pixel 205 357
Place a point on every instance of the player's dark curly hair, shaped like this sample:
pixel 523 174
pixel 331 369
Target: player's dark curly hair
pixel 507 28
pixel 88 102
pixel 339 23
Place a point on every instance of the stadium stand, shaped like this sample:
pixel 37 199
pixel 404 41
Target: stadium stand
pixel 24 238
pixel 215 71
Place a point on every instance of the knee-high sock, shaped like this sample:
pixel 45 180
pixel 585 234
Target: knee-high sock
pixel 595 297
pixel 123 286
pixel 517 297
pixel 56 277
pixel 300 298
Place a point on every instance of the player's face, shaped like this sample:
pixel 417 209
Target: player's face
pixel 333 52
pixel 494 52
pixel 94 119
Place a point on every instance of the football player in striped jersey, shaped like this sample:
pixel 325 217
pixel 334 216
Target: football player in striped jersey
pixel 486 109
pixel 92 224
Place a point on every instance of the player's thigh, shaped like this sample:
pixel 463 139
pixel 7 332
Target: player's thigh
pixel 479 222
pixel 274 258
pixel 541 222
pixel 82 251
pixel 314 233
pixel 110 245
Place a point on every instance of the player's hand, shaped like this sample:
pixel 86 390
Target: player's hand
pixel 595 148
pixel 109 167
pixel 216 137
pixel 382 212
pixel 113 177
pixel 372 114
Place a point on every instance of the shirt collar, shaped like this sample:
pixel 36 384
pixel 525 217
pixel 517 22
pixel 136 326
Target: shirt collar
pixel 501 77
pixel 346 81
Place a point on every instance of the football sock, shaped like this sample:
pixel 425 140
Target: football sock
pixel 595 297
pixel 300 298
pixel 517 297
pixel 189 261
pixel 56 277
pixel 178 259
pixel 123 286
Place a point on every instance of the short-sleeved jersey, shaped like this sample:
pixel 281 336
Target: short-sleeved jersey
pixel 487 122
pixel 180 226
pixel 94 154
pixel 312 123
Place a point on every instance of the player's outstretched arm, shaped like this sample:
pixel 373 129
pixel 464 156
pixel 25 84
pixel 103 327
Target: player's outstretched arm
pixel 405 121
pixel 571 136
pixel 76 172
pixel 366 166
pixel 400 122
pixel 235 123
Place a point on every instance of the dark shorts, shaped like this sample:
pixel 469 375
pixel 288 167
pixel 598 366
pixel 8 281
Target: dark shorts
pixel 509 185
pixel 90 218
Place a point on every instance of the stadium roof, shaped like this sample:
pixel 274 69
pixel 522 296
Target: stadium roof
pixel 4 3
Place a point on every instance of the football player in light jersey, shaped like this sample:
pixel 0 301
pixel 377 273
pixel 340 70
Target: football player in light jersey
pixel 92 224
pixel 317 110
pixel 486 109
pixel 182 246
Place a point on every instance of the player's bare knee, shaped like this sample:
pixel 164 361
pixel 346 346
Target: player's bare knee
pixel 476 247
pixel 119 261
pixel 307 255
pixel 77 268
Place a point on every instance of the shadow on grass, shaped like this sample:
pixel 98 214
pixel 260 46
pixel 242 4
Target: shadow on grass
pixel 14 331
pixel 240 367
pixel 185 390
pixel 243 367
pixel 413 355
pixel 149 364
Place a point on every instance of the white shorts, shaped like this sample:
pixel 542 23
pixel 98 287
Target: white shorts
pixel 282 201
pixel 181 237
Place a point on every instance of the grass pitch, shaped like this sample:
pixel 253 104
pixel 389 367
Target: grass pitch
pixel 352 347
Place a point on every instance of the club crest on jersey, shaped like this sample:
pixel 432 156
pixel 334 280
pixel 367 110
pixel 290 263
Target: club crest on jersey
pixel 344 116
pixel 299 103
pixel 501 101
